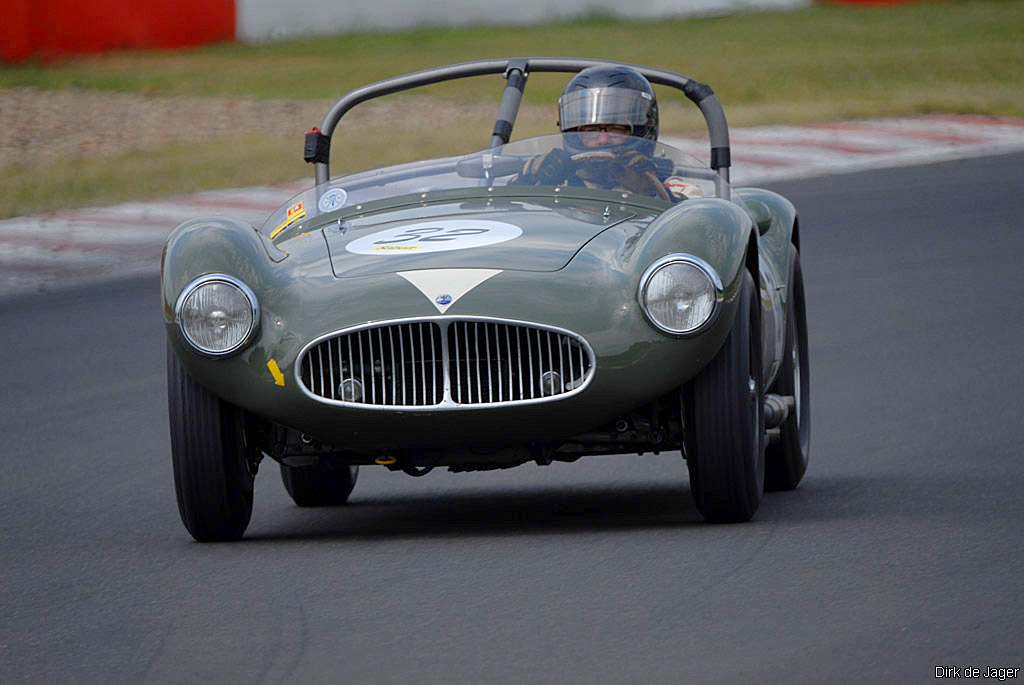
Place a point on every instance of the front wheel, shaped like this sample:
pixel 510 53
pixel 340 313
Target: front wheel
pixel 324 484
pixel 724 419
pixel 786 460
pixel 213 474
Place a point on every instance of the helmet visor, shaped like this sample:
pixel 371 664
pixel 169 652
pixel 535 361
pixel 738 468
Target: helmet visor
pixel 604 106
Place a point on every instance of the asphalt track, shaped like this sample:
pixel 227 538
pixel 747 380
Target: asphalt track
pixel 901 551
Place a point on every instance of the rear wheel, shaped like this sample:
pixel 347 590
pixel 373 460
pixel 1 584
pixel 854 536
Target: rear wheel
pixel 725 421
pixel 323 484
pixel 213 471
pixel 786 460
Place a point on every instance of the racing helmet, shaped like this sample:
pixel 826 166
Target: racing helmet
pixel 610 95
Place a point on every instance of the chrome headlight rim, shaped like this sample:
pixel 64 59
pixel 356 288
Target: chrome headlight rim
pixel 207 279
pixel 692 260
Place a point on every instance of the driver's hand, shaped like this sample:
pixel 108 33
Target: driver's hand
pixel 636 163
pixel 549 169
pixel 637 172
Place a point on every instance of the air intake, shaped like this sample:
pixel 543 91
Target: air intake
pixel 446 363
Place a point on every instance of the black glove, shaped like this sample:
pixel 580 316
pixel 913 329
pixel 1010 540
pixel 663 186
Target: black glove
pixel 640 175
pixel 550 169
pixel 634 162
pixel 625 168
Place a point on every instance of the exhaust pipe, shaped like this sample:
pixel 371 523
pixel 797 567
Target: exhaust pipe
pixel 777 409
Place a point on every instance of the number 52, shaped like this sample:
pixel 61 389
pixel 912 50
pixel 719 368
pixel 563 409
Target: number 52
pixel 431 234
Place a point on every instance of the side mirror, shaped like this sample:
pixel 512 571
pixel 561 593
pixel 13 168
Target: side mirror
pixel 761 215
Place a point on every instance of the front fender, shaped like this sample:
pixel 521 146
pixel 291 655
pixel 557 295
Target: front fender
pixel 212 245
pixel 715 230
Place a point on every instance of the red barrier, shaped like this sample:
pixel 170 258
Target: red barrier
pixel 14 38
pixel 48 28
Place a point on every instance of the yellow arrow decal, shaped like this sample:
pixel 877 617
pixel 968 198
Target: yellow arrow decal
pixel 275 371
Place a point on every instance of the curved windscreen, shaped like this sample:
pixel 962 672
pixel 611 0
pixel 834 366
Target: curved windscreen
pixel 632 166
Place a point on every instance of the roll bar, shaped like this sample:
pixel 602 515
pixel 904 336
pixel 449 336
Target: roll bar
pixel 515 71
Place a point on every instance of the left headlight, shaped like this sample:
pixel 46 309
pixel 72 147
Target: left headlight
pixel 217 314
pixel 680 294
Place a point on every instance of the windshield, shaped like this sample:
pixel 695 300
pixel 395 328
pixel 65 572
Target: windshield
pixel 632 165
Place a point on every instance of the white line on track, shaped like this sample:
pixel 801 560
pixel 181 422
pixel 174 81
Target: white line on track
pixel 69 247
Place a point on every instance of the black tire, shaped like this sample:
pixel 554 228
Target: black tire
pixel 786 460
pixel 212 475
pixel 725 421
pixel 324 484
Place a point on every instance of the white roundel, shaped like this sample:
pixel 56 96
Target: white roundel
pixel 435 236
pixel 331 200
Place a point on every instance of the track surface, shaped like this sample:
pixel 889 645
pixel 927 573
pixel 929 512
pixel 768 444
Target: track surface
pixel 900 552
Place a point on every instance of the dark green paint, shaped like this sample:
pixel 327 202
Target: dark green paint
pixel 571 268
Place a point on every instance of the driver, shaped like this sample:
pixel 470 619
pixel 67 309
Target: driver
pixel 609 117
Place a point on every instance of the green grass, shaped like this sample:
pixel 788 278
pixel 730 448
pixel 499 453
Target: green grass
pixel 229 162
pixel 145 174
pixel 818 53
pixel 823 63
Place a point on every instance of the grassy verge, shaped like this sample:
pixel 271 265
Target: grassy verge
pixel 139 175
pixel 816 53
pixel 225 163
pixel 823 63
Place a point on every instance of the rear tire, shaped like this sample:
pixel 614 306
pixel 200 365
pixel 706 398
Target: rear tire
pixel 786 460
pixel 725 421
pixel 324 484
pixel 213 477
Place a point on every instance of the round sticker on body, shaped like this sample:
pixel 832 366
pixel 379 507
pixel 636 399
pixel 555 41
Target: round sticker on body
pixel 332 199
pixel 435 236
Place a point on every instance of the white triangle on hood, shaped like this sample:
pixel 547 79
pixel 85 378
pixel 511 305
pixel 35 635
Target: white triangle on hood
pixel 443 287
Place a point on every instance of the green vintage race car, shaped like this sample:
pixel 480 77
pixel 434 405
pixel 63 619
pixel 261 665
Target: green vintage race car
pixel 444 313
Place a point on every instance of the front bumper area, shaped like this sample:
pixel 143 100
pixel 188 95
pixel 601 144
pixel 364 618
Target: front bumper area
pixel 625 373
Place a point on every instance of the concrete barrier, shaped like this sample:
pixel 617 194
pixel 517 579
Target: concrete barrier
pixel 267 20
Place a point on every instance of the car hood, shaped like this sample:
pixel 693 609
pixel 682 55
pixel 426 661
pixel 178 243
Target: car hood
pixel 535 234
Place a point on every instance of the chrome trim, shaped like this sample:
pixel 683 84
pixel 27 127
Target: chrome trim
pixel 681 258
pixel 448 402
pixel 254 306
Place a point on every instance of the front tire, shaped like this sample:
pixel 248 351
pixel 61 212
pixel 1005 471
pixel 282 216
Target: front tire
pixel 323 484
pixel 213 476
pixel 725 421
pixel 786 460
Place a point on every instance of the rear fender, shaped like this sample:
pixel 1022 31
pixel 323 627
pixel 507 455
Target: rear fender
pixel 783 229
pixel 775 255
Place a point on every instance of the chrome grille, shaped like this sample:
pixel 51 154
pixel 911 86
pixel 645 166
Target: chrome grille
pixel 498 362
pixel 397 365
pixel 446 362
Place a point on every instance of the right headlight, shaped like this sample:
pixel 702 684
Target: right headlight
pixel 218 314
pixel 680 294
